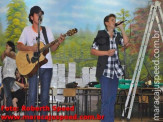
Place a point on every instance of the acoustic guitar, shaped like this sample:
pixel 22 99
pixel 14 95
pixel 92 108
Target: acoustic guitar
pixel 27 61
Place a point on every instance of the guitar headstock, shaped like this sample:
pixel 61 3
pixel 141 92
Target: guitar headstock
pixel 72 32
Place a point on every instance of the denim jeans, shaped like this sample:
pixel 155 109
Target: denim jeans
pixel 45 80
pixel 108 90
pixel 7 85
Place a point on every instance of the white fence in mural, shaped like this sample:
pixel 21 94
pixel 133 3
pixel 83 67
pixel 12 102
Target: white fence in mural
pixel 59 80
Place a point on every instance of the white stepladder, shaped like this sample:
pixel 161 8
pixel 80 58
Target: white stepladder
pixel 155 7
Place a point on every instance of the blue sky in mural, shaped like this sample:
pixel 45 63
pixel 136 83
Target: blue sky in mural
pixel 61 15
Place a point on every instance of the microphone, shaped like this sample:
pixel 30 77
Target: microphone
pixel 116 24
pixel 40 16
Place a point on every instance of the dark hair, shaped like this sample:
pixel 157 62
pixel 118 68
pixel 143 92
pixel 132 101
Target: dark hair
pixel 16 70
pixel 12 45
pixel 19 73
pixel 107 18
pixel 34 9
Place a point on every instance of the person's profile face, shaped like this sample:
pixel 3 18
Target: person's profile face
pixel 111 22
pixel 17 74
pixel 35 18
pixel 8 47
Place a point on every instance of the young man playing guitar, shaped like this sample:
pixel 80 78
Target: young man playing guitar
pixel 28 42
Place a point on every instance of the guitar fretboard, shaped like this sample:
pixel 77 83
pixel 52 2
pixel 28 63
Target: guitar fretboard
pixel 50 44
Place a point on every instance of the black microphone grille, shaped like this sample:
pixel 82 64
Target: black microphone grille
pixel 116 24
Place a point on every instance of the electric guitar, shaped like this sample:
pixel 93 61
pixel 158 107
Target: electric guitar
pixel 27 62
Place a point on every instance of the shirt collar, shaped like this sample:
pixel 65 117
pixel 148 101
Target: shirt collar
pixel 115 33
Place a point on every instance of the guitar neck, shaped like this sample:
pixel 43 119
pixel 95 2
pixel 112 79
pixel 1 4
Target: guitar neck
pixel 69 33
pixel 50 44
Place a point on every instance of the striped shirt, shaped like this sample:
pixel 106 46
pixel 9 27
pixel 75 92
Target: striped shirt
pixel 113 65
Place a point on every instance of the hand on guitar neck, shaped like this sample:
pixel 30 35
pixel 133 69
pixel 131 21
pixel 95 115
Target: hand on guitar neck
pixel 59 41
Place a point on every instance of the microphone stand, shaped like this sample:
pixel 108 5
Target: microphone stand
pixel 124 63
pixel 38 55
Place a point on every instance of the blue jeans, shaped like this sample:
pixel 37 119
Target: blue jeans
pixel 7 85
pixel 108 90
pixel 45 80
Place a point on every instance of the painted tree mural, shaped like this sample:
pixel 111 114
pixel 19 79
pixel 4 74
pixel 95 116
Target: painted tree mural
pixel 16 19
pixel 2 40
pixel 77 48
pixel 122 16
pixel 138 28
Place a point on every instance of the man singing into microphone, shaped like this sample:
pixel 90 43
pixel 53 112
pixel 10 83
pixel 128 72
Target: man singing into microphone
pixel 109 69
pixel 27 42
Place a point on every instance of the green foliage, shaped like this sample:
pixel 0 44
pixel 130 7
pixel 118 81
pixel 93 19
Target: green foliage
pixel 76 49
pixel 16 19
pixel 127 58
pixel 2 41
pixel 122 16
pixel 137 33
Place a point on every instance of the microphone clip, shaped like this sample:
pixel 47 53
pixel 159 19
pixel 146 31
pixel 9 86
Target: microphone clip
pixel 40 15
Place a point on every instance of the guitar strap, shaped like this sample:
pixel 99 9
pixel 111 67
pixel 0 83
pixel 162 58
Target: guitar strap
pixel 45 34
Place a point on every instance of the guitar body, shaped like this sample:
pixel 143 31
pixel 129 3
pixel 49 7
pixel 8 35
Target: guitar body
pixel 24 62
pixel 27 64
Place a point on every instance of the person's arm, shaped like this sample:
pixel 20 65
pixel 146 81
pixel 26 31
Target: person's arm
pixel 21 44
pixel 1 87
pixel 8 53
pixel 56 45
pixel 95 50
pixel 21 85
pixel 102 53
pixel 125 38
pixel 22 47
pixel 3 56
